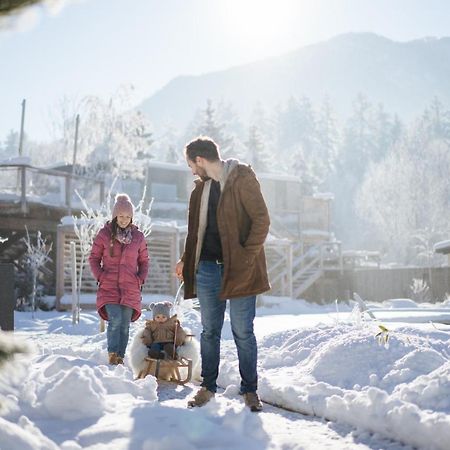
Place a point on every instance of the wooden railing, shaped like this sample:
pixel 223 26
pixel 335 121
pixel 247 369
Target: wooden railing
pixel 309 266
pixel 27 184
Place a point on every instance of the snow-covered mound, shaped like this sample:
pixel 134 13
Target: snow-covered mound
pixel 325 361
pixel 399 388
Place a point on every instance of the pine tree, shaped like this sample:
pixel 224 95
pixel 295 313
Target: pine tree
pixel 357 145
pixel 226 115
pixel 166 146
pixel 257 154
pixel 209 126
pixel 288 125
pixel 354 157
pixel 265 124
pixel 11 145
pixel 327 138
pixel 306 169
pixel 435 122
pixel 381 127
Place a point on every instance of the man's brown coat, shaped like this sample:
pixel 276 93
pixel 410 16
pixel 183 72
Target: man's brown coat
pixel 243 222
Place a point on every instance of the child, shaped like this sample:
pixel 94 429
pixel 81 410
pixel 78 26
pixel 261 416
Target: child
pixel 119 263
pixel 164 333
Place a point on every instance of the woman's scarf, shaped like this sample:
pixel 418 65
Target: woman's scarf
pixel 124 235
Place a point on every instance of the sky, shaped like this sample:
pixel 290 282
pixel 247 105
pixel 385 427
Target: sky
pixel 336 383
pixel 75 48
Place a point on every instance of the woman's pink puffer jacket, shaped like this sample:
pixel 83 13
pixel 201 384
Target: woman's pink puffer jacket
pixel 120 276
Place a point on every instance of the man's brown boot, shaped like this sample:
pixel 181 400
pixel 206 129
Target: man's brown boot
pixel 253 402
pixel 113 358
pixel 202 397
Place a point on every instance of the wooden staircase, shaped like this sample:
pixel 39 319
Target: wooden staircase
pixel 308 267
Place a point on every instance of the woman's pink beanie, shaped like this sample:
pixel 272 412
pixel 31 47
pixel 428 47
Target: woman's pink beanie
pixel 122 205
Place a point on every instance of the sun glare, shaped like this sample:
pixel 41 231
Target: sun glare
pixel 258 22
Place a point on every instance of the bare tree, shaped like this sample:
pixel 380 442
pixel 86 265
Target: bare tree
pixel 37 257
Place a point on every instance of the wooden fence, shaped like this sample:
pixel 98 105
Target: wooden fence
pixel 381 284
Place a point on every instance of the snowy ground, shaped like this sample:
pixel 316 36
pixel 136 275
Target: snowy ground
pixel 344 387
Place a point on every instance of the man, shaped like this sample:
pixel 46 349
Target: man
pixel 224 259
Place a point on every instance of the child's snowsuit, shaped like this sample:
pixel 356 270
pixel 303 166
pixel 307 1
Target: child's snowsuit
pixel 166 334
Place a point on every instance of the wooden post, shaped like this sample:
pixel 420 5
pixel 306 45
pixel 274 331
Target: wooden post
pixel 173 260
pixel 73 271
pixel 75 143
pixel 59 265
pixel 69 179
pixel 289 270
pixel 22 122
pixel 68 193
pixel 23 189
pixel 8 300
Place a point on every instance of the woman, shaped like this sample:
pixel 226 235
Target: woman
pixel 119 263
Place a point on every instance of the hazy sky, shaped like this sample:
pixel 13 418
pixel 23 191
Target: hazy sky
pixel 94 46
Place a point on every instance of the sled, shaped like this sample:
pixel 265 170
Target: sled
pixel 176 370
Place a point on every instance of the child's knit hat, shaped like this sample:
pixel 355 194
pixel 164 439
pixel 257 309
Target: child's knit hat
pixel 161 308
pixel 122 205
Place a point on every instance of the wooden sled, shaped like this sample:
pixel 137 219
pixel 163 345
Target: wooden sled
pixel 168 369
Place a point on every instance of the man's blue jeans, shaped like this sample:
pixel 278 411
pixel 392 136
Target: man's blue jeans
pixel 242 314
pixel 119 319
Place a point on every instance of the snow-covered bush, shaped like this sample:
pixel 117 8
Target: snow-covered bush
pixel 36 258
pixel 420 291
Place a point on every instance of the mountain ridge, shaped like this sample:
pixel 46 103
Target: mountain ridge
pixel 403 76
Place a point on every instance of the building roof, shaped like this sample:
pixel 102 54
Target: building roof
pixel 442 247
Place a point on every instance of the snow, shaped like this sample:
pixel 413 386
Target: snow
pixel 16 161
pixel 442 247
pixel 344 387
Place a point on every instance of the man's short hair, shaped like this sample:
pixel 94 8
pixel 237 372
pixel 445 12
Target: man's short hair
pixel 204 147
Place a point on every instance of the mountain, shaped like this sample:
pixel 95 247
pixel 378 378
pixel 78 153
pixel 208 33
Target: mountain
pixel 404 76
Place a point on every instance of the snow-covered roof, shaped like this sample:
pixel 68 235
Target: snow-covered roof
pixel 324 195
pixel 442 247
pixel 167 165
pixel 363 253
pixel 277 176
pixel 315 232
pixel 16 160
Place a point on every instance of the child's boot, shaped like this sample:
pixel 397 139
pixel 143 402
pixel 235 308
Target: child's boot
pixel 155 354
pixel 170 352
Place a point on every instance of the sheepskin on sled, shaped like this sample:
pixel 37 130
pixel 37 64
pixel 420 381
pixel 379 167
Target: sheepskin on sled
pixel 137 353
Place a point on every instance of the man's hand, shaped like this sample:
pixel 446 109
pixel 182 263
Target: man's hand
pixel 179 270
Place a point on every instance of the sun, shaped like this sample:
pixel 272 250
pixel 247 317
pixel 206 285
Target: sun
pixel 258 22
